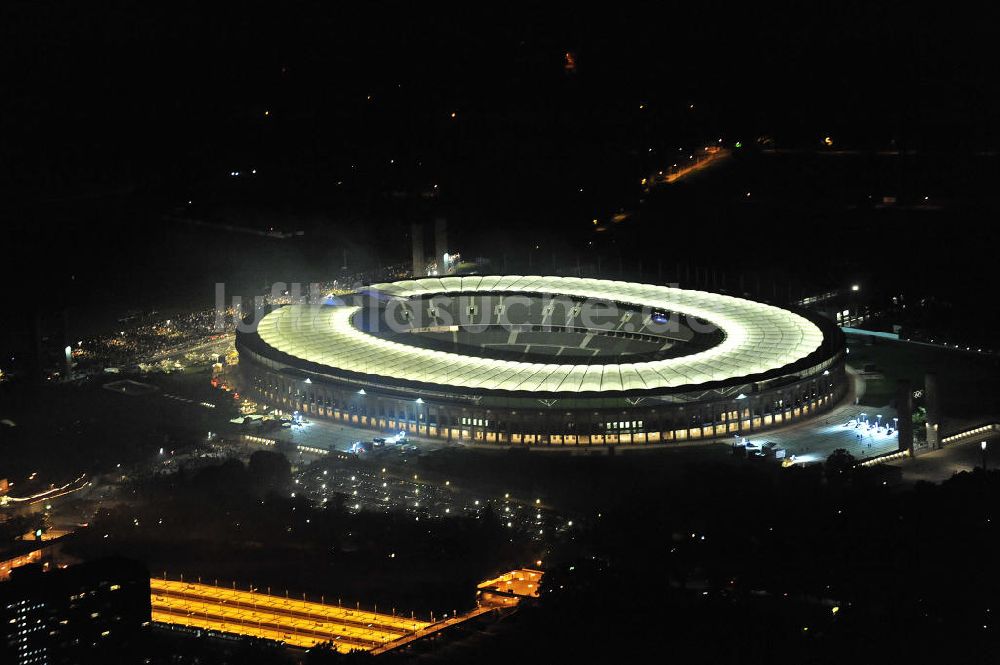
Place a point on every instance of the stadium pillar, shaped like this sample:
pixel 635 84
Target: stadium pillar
pixel 440 242
pixel 932 399
pixel 904 411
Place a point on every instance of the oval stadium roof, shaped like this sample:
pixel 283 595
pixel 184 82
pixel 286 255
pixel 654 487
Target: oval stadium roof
pixel 758 338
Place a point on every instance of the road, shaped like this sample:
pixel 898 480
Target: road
pixel 328 435
pixel 939 465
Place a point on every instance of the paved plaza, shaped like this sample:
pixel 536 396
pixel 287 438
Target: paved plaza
pixel 813 441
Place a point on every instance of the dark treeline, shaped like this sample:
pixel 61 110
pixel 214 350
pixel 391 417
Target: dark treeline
pixel 233 522
pixel 734 566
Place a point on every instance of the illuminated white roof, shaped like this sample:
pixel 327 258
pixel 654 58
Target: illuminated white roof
pixel 758 338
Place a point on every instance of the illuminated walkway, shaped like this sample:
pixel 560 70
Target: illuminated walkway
pixel 431 629
pixel 504 591
pixel 294 622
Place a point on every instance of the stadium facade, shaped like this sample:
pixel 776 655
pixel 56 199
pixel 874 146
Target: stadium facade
pixel 551 361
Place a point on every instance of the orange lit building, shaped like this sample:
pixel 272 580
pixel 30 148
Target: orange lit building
pixel 26 552
pixel 510 588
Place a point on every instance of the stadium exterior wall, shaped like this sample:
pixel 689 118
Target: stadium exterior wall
pixel 517 420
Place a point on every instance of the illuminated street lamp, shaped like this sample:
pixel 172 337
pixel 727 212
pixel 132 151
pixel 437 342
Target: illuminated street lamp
pixel 982 446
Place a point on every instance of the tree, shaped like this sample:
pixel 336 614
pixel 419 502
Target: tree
pixel 326 652
pixel 838 464
pixel 14 528
pixel 269 470
pixel 919 419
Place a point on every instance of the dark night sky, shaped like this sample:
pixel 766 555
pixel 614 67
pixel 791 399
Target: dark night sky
pixel 114 114
pixel 141 93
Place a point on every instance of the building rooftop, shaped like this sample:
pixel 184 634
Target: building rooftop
pixel 757 338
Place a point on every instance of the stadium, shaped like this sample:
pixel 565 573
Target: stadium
pixel 545 361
